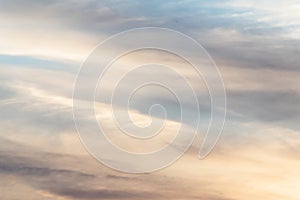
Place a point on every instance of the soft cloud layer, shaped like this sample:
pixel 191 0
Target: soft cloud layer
pixel 255 44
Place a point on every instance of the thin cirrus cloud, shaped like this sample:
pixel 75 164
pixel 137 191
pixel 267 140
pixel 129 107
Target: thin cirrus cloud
pixel 254 43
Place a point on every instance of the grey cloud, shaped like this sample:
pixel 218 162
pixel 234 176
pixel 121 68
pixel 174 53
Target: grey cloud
pixel 101 194
pixel 61 182
pixel 22 160
pixel 11 164
pixel 281 108
pixel 257 53
pixel 67 176
pixel 42 174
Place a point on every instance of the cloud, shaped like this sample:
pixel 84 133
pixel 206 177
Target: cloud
pixel 256 45
pixel 267 106
pixel 63 175
pixel 103 194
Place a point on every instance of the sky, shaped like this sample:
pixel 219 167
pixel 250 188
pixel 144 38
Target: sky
pixel 256 46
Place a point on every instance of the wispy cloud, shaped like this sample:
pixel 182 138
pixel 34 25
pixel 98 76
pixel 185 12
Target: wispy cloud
pixel 256 45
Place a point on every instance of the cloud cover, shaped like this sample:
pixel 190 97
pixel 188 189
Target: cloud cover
pixel 255 44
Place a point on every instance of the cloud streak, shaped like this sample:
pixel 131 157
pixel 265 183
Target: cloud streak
pixel 255 44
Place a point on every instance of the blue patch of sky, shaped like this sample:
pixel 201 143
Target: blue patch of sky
pixel 32 62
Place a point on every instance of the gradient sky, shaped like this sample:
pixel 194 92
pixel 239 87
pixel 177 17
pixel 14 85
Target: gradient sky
pixel 256 45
